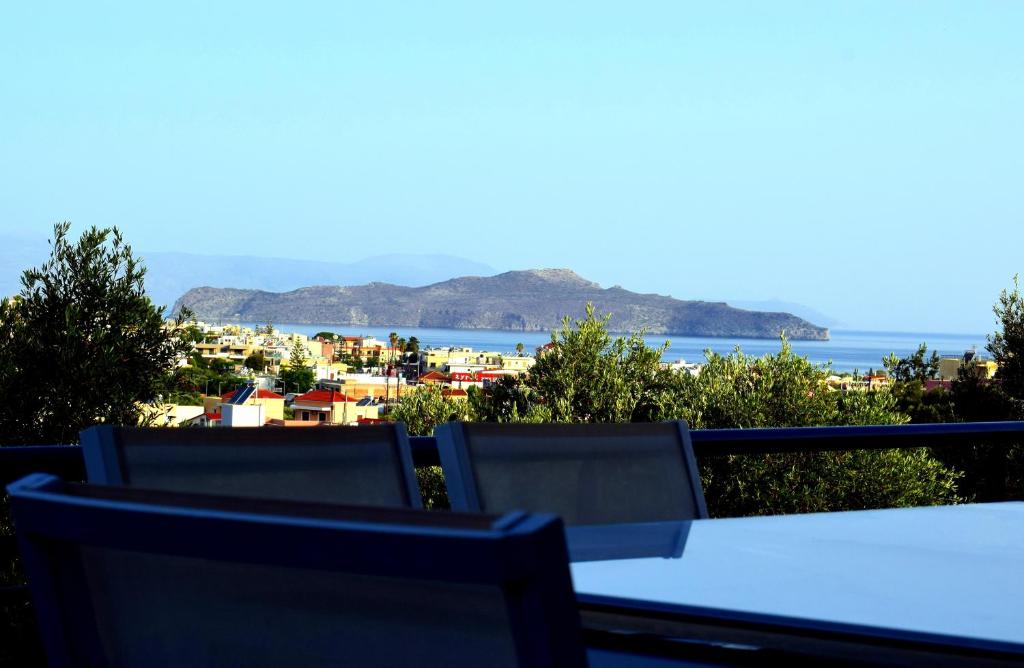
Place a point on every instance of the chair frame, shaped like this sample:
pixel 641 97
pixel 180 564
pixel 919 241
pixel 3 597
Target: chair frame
pixel 523 553
pixel 463 490
pixel 103 447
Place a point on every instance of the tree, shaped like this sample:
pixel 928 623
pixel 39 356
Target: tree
pixel 587 376
pixel 915 366
pixel 412 345
pixel 426 407
pixel 519 349
pixel 1007 346
pixel 82 343
pixel 298 375
pixel 256 362
pixel 508 399
pixel 786 390
pixel 393 340
pixel 326 336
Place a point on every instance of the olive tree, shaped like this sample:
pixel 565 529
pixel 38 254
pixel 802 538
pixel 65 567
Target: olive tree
pixel 786 390
pixel 81 342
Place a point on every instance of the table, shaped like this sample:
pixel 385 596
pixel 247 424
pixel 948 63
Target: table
pixel 932 572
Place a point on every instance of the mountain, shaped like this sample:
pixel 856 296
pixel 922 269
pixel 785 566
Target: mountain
pixel 169 274
pixel 532 300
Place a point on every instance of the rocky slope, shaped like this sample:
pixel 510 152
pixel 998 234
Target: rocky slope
pixel 533 300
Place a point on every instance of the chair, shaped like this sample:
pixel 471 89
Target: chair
pixel 585 473
pixel 369 465
pixel 131 577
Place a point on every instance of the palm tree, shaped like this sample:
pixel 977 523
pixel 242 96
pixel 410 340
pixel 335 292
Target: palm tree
pixel 519 349
pixel 393 339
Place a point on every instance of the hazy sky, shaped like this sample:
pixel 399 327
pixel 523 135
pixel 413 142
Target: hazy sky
pixel 866 160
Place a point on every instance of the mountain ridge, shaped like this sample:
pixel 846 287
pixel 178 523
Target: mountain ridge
pixel 524 300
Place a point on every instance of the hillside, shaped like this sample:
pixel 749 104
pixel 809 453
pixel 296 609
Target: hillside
pixel 532 300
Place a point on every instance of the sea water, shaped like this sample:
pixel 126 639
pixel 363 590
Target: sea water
pixel 846 350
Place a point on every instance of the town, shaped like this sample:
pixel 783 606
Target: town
pixel 357 379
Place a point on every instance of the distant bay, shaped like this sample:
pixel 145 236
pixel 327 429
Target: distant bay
pixel 847 349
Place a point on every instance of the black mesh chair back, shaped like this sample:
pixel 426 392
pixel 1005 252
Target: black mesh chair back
pixel 369 465
pixel 131 577
pixel 585 473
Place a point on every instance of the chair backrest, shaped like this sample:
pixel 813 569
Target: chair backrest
pixel 132 577
pixel 586 473
pixel 369 465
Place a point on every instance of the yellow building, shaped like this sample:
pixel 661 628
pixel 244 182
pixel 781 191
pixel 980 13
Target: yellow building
pixel 517 364
pixel 333 407
pixel 949 367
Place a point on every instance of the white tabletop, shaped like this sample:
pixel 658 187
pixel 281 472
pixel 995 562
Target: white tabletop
pixel 949 570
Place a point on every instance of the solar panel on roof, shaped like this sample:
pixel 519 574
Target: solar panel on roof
pixel 242 394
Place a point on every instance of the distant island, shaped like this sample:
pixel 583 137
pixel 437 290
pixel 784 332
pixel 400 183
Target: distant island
pixel 527 301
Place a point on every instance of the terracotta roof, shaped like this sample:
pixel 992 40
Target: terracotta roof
pixel 455 393
pixel 325 396
pixel 434 375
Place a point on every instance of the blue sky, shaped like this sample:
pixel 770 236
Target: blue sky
pixel 864 159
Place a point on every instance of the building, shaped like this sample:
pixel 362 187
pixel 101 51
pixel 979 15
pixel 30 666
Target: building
pixel 949 367
pixel 333 407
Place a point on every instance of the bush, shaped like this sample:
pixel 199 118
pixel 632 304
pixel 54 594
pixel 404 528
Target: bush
pixel 432 488
pixel 426 407
pixel 785 390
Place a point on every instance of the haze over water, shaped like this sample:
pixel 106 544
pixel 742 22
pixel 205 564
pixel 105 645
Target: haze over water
pixel 847 349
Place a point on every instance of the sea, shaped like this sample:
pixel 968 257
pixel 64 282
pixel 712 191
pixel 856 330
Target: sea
pixel 846 350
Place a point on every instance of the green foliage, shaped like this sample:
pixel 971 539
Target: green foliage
pixel 992 472
pixel 191 333
pixel 185 384
pixel 298 377
pixel 326 336
pixel 786 390
pixel 412 345
pixel 915 366
pixel 82 343
pixel 923 406
pixel 289 413
pixel 426 407
pixel 256 362
pixel 508 399
pixel 432 488
pixel 1007 346
pixel 587 376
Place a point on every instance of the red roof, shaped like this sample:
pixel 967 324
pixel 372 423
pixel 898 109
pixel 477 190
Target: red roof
pixel 212 416
pixel 325 396
pixel 455 393
pixel 260 394
pixel 434 375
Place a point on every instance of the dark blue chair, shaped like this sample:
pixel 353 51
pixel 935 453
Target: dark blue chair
pixel 130 577
pixel 369 465
pixel 586 473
